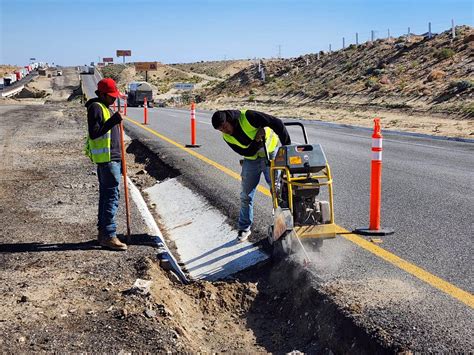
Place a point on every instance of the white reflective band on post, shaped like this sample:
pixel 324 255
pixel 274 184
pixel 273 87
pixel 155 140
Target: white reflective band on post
pixel 376 142
pixel 377 156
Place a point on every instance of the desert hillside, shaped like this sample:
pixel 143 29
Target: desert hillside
pixel 421 74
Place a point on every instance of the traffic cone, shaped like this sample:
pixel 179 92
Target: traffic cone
pixel 193 128
pixel 375 187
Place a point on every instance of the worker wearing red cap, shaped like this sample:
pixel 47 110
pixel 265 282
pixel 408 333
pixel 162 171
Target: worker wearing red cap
pixel 103 148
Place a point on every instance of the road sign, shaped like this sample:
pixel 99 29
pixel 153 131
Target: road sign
pixel 108 60
pixel 101 64
pixel 184 86
pixel 146 66
pixel 124 53
pixel 32 58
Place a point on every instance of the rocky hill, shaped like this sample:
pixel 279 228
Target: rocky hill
pixel 218 69
pixel 416 74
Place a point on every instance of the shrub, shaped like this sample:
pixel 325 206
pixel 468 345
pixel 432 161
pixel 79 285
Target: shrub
pixel 445 53
pixel 461 85
pixel 371 82
pixel 436 75
pixel 469 110
pixel 378 72
pixel 251 98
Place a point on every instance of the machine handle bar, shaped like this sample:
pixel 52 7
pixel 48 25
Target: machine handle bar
pixel 302 127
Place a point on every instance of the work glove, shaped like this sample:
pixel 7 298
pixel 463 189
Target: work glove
pixel 116 118
pixel 260 136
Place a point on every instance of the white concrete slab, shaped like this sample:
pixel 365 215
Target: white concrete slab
pixel 205 242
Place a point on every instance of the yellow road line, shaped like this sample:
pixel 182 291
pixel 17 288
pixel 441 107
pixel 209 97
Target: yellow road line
pixel 438 283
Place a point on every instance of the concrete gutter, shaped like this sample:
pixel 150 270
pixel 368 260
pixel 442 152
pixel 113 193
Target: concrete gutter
pixel 153 230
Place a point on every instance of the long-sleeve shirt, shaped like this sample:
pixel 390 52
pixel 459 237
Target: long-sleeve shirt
pixel 97 127
pixel 258 120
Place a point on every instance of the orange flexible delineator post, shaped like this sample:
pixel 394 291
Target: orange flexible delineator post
pixel 193 128
pixel 125 185
pixel 375 186
pixel 145 111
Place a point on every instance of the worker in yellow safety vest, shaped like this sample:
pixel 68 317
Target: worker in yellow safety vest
pixel 246 132
pixel 103 147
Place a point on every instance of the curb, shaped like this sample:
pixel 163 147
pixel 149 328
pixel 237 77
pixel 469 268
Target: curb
pixel 157 238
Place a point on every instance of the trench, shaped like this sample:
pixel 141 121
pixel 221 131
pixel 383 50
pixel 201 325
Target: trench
pixel 291 309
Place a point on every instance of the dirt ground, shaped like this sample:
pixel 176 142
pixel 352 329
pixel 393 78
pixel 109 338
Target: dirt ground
pixel 61 292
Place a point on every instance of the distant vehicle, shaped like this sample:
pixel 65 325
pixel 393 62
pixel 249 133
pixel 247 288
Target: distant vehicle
pixel 136 93
pixel 59 73
pixel 85 69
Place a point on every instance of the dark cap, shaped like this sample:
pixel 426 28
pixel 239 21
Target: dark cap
pixel 218 119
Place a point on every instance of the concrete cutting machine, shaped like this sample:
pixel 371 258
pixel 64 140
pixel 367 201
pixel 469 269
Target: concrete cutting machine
pixel 301 177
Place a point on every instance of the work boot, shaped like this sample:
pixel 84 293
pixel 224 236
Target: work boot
pixel 242 236
pixel 112 243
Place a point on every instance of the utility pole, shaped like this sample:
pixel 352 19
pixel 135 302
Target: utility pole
pixel 343 43
pixel 408 35
pixel 388 32
pixel 357 39
pixel 372 35
pixel 429 30
pixel 330 51
pixel 453 29
pixel 279 51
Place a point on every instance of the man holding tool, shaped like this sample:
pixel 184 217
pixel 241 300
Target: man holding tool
pixel 248 132
pixel 103 147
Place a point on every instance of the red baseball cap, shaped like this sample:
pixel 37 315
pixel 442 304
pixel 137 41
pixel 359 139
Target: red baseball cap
pixel 108 86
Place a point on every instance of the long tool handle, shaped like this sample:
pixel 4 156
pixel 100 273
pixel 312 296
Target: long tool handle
pixel 125 185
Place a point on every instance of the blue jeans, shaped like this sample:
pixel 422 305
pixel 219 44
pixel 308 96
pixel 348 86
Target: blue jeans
pixel 251 171
pixel 109 175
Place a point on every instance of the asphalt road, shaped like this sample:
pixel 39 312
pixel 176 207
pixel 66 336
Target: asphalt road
pixel 428 198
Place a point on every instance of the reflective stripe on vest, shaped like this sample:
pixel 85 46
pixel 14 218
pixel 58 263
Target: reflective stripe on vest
pixel 271 139
pixel 98 150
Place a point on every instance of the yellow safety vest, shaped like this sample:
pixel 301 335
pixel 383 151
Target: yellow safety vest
pixel 271 139
pixel 98 150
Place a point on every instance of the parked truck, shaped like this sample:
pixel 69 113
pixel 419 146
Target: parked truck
pixel 136 93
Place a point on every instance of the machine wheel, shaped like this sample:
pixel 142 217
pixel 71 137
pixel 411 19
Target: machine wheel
pixel 316 244
pixel 283 246
pixel 270 235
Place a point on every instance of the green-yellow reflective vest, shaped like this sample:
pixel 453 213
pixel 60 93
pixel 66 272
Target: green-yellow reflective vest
pixel 98 150
pixel 271 139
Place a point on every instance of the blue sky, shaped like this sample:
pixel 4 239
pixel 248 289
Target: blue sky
pixel 69 32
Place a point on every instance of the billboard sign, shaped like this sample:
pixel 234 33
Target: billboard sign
pixel 184 86
pixel 146 66
pixel 108 60
pixel 124 53
pixel 101 64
